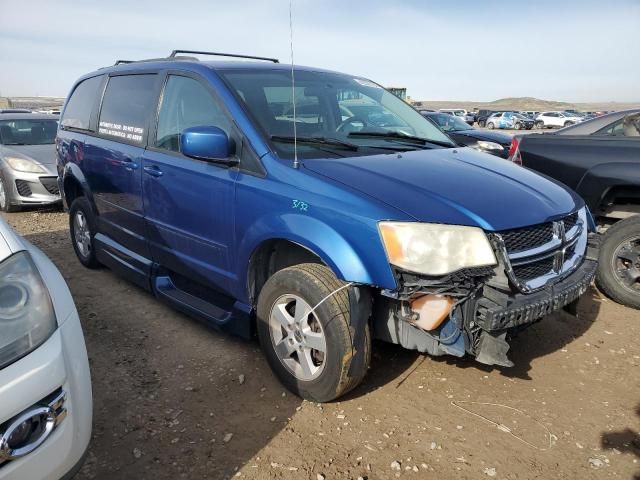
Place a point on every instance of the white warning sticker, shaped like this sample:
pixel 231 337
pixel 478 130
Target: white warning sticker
pixel 126 132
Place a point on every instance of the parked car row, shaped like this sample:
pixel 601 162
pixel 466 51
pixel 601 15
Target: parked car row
pixel 599 159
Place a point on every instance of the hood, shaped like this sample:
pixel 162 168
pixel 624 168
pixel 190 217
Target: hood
pixel 44 154
pixel 455 186
pixel 486 135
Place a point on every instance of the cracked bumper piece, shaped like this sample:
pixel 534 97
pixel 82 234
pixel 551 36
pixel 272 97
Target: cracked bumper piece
pixel 523 309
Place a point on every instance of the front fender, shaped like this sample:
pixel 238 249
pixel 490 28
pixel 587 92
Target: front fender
pixel 336 251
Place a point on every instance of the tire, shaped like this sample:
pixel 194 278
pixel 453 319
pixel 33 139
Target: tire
pixel 347 355
pixel 481 124
pixel 490 126
pixel 83 229
pixel 616 262
pixel 566 124
pixel 518 126
pixel 5 197
pixel 540 124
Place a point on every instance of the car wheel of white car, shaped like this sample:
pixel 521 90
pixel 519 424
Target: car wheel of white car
pixel 566 124
pixel 5 197
pixel 82 229
pixel 540 124
pixel 490 126
pixel 517 126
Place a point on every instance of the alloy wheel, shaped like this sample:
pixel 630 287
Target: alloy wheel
pixel 81 233
pixel 3 196
pixel 297 337
pixel 626 264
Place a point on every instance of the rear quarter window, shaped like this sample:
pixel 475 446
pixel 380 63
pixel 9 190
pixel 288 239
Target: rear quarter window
pixel 128 102
pixel 77 113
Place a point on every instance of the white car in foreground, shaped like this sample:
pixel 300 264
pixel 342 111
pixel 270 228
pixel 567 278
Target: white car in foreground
pixel 45 386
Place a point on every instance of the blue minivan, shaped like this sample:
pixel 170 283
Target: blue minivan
pixel 314 209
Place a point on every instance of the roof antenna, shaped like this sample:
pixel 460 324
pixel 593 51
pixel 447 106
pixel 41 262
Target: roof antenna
pixel 296 163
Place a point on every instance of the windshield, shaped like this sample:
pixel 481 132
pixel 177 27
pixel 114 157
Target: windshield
pixel 351 116
pixel 28 131
pixel 449 123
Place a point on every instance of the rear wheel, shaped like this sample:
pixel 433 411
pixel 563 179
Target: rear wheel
pixel 313 352
pixel 540 124
pixel 619 262
pixel 5 197
pixel 481 123
pixel 518 126
pixel 490 126
pixel 82 228
pixel 566 124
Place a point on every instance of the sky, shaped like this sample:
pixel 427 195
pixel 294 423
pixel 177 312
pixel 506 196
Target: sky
pixel 475 50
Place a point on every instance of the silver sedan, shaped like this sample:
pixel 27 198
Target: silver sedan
pixel 28 174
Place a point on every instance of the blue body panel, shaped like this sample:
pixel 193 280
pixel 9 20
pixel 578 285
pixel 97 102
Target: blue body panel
pixel 204 221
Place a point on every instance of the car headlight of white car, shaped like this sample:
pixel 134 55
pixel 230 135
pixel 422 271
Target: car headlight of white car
pixel 24 165
pixel 435 249
pixel 27 317
pixel 484 145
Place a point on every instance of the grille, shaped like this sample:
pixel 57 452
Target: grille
pixel 51 184
pixel 570 221
pixel 23 188
pixel 527 238
pixel 533 270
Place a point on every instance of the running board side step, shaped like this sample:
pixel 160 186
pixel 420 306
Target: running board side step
pixel 236 321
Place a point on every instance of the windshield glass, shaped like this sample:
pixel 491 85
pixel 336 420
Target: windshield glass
pixel 28 131
pixel 333 108
pixel 449 123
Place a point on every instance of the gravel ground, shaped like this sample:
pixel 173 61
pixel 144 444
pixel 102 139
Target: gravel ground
pixel 175 399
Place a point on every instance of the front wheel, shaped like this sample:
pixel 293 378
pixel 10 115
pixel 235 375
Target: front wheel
pixel 518 126
pixel 566 124
pixel 540 124
pixel 619 262
pixel 490 126
pixel 313 351
pixel 5 197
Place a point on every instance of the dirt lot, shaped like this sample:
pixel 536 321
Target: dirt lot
pixel 174 399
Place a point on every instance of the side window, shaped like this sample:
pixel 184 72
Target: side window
pixel 77 112
pixel 128 102
pixel 186 103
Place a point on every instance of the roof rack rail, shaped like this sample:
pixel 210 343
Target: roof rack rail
pixel 250 57
pixel 120 62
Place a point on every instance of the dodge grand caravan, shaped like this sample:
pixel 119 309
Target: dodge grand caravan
pixel 259 205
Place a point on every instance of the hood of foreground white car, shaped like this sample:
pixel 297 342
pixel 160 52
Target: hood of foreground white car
pixel 10 243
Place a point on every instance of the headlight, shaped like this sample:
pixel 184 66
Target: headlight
pixel 24 165
pixel 26 313
pixel 489 145
pixel 435 249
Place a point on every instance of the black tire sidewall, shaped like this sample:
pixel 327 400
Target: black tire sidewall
pixel 327 386
pixel 607 281
pixel 82 204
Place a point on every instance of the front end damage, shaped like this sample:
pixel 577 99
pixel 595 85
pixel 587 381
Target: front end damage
pixel 476 311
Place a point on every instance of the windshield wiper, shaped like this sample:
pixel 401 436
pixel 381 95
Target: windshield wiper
pixel 395 136
pixel 333 142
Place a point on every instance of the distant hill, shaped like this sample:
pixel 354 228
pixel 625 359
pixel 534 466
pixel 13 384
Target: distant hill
pixel 525 103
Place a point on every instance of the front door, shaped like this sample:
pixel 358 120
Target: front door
pixel 189 207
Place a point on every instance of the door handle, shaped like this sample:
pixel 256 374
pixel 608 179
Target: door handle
pixel 153 170
pixel 130 165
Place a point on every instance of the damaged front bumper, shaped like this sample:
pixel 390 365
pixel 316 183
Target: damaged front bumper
pixel 485 314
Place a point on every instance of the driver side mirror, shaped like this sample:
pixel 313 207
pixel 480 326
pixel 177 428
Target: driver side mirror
pixel 207 143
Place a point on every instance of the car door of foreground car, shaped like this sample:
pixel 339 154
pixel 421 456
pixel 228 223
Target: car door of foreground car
pixel 189 207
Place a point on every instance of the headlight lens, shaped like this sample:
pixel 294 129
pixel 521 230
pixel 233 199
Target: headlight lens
pixel 24 165
pixel 435 249
pixel 489 145
pixel 27 318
